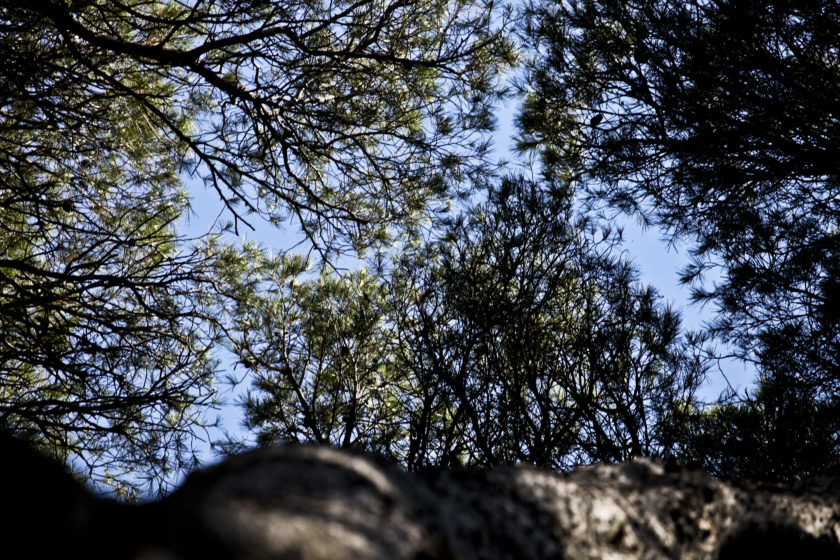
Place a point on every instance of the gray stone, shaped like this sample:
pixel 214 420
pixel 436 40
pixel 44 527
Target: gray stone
pixel 317 503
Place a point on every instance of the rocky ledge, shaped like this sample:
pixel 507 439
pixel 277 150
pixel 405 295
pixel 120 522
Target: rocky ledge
pixel 307 502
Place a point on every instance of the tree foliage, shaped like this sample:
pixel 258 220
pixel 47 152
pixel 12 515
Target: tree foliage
pixel 535 341
pixel 782 433
pixel 321 355
pixel 716 121
pixel 512 332
pixel 103 332
pixel 514 337
pixel 343 117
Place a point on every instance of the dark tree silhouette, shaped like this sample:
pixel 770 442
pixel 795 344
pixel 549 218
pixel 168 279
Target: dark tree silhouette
pixel 514 336
pixel 530 341
pixel 718 122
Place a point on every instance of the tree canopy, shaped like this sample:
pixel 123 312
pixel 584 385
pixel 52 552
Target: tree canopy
pixel 345 117
pixel 496 319
pixel 515 336
pixel 105 335
pixel 715 121
pixel 349 119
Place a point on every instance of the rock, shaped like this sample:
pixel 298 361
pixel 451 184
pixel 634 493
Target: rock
pixel 46 513
pixel 308 502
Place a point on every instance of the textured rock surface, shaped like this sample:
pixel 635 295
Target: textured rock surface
pixel 319 503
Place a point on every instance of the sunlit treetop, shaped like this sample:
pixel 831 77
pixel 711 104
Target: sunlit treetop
pixel 352 121
pixel 347 118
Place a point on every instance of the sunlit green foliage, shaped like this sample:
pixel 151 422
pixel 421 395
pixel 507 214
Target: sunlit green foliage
pixel 103 344
pixel 348 120
pixel 321 355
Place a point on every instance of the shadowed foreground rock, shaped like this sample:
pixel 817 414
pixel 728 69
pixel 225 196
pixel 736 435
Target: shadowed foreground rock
pixel 319 503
